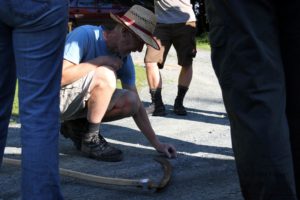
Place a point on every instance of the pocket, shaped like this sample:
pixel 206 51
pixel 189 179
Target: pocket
pixel 28 9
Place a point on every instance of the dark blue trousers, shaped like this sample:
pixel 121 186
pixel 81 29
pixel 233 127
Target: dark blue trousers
pixel 255 51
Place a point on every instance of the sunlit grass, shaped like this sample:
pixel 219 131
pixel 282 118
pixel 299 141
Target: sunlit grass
pixel 15 110
pixel 202 41
pixel 141 78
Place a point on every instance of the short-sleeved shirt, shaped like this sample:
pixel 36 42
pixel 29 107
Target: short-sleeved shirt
pixel 174 11
pixel 86 43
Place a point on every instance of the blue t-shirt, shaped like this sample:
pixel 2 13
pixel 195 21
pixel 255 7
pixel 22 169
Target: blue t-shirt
pixel 86 42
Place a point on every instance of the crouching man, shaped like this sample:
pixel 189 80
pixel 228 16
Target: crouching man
pixel 94 58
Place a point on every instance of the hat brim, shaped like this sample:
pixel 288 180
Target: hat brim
pixel 148 39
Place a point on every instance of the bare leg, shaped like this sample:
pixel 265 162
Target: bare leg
pixel 184 80
pixel 101 89
pixel 157 107
pixel 153 76
pixel 185 76
pixel 125 105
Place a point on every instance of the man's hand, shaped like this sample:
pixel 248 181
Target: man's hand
pixel 111 61
pixel 167 149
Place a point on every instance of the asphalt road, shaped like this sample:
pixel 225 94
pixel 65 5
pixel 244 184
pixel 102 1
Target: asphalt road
pixel 205 167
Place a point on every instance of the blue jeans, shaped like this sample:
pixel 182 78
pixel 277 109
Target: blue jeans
pixel 32 36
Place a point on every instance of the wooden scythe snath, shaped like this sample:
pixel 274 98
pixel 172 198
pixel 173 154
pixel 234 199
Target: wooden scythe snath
pixel 144 183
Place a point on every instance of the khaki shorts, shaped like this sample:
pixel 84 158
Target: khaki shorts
pixel 181 35
pixel 74 97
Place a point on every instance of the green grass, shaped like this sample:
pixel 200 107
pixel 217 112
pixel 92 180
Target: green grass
pixel 15 110
pixel 140 74
pixel 141 78
pixel 202 42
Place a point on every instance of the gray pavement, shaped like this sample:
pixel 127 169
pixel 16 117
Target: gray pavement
pixel 204 169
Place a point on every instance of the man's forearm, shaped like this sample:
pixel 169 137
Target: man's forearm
pixel 73 73
pixel 142 121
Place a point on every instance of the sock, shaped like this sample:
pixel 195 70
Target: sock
pixel 156 96
pixel 93 128
pixel 181 94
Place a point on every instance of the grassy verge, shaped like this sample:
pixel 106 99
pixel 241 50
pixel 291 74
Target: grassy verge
pixel 15 110
pixel 141 78
pixel 202 42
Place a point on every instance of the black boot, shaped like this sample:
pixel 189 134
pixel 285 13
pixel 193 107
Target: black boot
pixel 94 145
pixel 157 107
pixel 74 129
pixel 88 141
pixel 179 109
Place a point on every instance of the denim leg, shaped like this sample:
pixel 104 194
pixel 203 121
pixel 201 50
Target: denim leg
pixel 38 47
pixel 7 83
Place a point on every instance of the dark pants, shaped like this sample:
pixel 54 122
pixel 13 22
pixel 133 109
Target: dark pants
pixel 255 51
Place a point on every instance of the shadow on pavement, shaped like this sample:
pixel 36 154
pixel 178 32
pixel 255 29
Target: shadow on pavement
pixel 197 115
pixel 193 177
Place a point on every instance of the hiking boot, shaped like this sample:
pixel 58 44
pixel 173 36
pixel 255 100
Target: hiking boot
pixel 157 107
pixel 156 110
pixel 73 129
pixel 179 109
pixel 95 146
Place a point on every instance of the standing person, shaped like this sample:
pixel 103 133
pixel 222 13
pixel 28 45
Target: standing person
pixel 176 26
pixel 31 48
pixel 255 51
pixel 94 58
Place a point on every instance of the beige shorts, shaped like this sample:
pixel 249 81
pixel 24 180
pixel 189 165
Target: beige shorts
pixel 74 97
pixel 182 36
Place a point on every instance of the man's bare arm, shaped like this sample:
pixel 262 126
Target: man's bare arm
pixel 142 121
pixel 72 72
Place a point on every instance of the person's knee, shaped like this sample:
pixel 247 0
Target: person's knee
pixel 131 102
pixel 186 65
pixel 187 69
pixel 104 77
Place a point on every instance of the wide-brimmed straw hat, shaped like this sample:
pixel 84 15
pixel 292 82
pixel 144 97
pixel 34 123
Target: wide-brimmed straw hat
pixel 141 22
